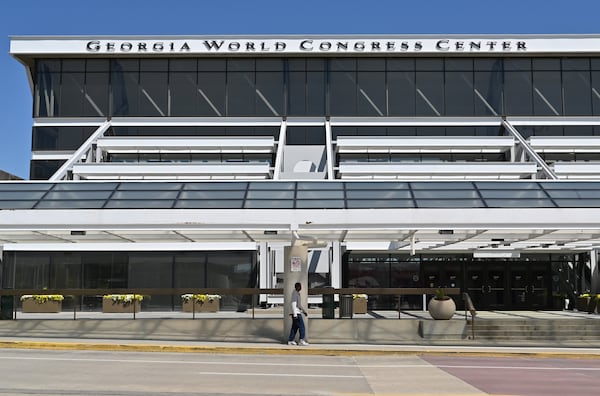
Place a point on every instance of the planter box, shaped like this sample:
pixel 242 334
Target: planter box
pixel 109 306
pixel 582 303
pixel 359 305
pixel 31 306
pixel 208 306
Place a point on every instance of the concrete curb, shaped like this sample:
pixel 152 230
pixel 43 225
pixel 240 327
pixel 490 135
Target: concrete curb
pixel 348 350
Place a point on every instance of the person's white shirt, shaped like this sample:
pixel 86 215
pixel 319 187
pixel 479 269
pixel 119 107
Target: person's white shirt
pixel 297 308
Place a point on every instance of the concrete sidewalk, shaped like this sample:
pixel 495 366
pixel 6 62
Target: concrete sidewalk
pixel 281 348
pixel 261 330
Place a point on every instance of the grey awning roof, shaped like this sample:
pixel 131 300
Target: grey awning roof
pixel 299 195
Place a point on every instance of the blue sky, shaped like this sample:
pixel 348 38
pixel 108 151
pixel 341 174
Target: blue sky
pixel 198 17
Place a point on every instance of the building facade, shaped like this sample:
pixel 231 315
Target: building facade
pixel 433 161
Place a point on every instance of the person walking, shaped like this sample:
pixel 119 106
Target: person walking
pixel 297 321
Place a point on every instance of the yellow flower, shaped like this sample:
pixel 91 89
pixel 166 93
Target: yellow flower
pixel 42 298
pixel 200 298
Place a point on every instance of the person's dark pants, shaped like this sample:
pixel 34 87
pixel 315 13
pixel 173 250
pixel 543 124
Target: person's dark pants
pixel 297 324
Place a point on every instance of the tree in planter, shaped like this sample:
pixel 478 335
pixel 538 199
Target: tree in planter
pixel 441 306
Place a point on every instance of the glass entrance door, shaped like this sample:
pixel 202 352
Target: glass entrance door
pixel 529 285
pixel 486 284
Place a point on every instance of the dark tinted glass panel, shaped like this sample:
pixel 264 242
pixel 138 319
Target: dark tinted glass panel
pixel 183 65
pixel 488 93
pixel 48 65
pixel 371 93
pixel 342 93
pixel 241 93
pixel 44 169
pixel 72 94
pixel 545 64
pixel 430 93
pixel 96 98
pixel 124 80
pixel 183 93
pixel 571 64
pixel 459 93
pixel 596 92
pixel 577 93
pixel 401 93
pixel 518 93
pixel 59 138
pixel 547 93
pixel 47 94
pixel 269 93
pixel 297 135
pixel 211 90
pixel 153 94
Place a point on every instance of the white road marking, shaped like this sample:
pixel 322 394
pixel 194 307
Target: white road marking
pixel 280 364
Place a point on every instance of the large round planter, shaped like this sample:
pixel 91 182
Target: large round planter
pixel 441 309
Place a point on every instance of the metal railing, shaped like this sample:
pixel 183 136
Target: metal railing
pixel 99 292
pixel 471 309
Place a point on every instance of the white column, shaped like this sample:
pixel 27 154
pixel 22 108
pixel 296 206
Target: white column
pixel 295 268
pixel 264 272
pixel 595 281
pixel 335 270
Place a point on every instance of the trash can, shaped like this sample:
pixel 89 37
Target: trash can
pixel 346 306
pixel 328 306
pixel 6 307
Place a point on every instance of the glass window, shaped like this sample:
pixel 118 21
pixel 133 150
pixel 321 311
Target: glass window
pixel 571 64
pixel 189 269
pixel 299 135
pixel 547 93
pixel 44 169
pixel 153 94
pixel 241 93
pixel 124 80
pixel 72 94
pixel 371 93
pixel 401 90
pixel 430 93
pixel 596 92
pixel 212 97
pixel 269 93
pixel 46 93
pixel 459 93
pixel 96 94
pixel 518 98
pixel 342 92
pixel 488 92
pixel 183 88
pixel 59 138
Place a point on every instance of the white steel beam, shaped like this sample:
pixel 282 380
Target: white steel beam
pixel 61 173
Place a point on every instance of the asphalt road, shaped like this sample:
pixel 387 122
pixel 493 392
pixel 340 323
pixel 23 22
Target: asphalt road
pixel 53 372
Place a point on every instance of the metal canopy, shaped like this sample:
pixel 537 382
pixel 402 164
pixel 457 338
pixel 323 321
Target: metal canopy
pixel 521 216
pixel 277 195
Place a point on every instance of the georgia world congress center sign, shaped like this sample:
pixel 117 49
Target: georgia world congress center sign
pixel 304 45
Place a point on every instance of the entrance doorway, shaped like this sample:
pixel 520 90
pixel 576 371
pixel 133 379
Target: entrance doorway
pixel 495 284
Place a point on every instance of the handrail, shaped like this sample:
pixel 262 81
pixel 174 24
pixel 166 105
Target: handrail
pixel 230 291
pixel 471 308
pixel 73 292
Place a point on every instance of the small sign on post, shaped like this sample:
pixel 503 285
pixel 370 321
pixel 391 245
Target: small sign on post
pixel 296 264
